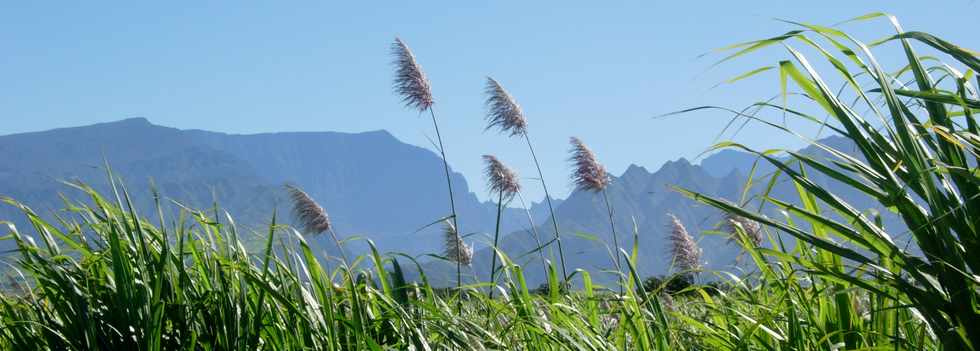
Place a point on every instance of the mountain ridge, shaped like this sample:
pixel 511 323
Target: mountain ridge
pixel 377 187
pixel 351 174
pixel 642 199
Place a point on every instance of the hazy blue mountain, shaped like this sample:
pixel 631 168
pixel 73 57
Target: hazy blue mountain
pixel 372 185
pixel 641 199
pixel 377 187
pixel 722 162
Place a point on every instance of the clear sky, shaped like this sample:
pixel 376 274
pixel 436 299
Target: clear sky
pixel 598 70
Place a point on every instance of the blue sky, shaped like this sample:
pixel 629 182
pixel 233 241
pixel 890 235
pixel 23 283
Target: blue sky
pixel 597 70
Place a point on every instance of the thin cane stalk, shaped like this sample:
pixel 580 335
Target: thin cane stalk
pixel 493 249
pixel 452 204
pixel 534 233
pixel 551 208
pixel 612 227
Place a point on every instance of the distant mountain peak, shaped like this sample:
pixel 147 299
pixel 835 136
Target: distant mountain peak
pixel 681 163
pixel 139 120
pixel 378 134
pixel 634 170
pixel 132 121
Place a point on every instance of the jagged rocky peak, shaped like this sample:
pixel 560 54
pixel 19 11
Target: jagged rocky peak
pixel 635 170
pixel 635 174
pixel 681 162
pixel 678 168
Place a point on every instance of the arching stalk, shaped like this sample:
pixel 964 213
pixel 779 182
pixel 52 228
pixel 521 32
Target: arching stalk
pixel 612 227
pixel 452 208
pixel 551 208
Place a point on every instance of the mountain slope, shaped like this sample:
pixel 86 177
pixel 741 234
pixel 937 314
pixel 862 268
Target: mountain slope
pixel 642 199
pixel 377 187
pixel 371 184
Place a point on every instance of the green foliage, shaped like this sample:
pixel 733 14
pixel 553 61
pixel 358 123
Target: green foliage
pixel 103 276
pixel 916 139
pixel 107 278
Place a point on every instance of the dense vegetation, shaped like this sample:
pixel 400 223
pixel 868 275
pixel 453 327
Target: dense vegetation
pixel 824 276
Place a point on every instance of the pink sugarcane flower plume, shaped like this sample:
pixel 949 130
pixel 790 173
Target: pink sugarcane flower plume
pixel 455 249
pixel 589 174
pixel 751 228
pixel 311 216
pixel 502 111
pixel 683 250
pixel 501 180
pixel 410 81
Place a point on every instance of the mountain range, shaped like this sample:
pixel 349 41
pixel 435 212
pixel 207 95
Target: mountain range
pixel 642 199
pixel 376 187
pixel 371 184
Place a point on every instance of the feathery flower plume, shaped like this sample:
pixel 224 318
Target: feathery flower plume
pixel 684 251
pixel 456 250
pixel 751 228
pixel 502 111
pixel 410 81
pixel 311 216
pixel 501 179
pixel 589 174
